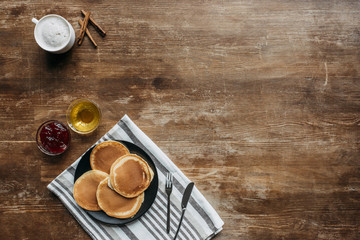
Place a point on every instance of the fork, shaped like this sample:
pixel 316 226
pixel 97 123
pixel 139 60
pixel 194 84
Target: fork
pixel 168 189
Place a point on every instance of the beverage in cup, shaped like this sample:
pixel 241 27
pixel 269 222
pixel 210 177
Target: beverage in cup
pixel 54 33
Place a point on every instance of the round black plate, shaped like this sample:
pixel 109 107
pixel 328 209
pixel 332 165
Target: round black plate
pixel 150 192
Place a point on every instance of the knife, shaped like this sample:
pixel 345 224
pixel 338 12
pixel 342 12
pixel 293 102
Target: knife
pixel 184 202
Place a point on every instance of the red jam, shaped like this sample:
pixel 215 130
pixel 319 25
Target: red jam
pixel 54 137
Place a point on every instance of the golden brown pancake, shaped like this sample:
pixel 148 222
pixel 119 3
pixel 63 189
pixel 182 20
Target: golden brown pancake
pixel 115 205
pixel 85 189
pixel 151 172
pixel 105 154
pixel 130 175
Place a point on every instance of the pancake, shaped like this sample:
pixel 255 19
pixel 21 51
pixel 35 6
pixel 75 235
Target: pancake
pixel 115 205
pixel 85 189
pixel 151 178
pixel 130 175
pixel 105 154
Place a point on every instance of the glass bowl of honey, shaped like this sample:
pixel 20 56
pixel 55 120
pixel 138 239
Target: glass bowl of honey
pixel 53 137
pixel 83 116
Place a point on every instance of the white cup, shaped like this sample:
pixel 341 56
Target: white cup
pixel 54 33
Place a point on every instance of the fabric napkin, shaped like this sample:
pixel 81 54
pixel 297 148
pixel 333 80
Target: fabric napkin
pixel 200 221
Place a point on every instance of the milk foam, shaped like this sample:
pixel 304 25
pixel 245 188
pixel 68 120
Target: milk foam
pixel 53 32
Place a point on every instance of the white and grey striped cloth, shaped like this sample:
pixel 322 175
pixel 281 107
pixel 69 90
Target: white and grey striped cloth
pixel 201 221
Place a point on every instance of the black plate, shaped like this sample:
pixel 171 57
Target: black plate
pixel 150 192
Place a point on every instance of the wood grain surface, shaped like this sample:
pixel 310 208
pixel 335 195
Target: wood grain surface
pixel 257 102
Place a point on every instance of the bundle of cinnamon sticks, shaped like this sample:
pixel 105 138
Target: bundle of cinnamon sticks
pixel 84 30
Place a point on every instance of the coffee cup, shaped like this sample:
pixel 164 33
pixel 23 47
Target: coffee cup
pixel 54 34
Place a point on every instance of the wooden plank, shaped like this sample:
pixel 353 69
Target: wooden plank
pixel 257 102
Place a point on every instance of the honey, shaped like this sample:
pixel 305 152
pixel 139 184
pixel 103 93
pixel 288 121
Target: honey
pixel 83 116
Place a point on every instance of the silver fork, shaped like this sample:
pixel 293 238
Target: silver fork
pixel 168 189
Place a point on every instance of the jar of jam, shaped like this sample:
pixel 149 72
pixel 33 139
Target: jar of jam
pixel 53 137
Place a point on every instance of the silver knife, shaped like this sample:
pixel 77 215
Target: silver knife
pixel 184 202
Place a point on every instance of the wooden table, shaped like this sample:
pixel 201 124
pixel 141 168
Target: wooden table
pixel 257 102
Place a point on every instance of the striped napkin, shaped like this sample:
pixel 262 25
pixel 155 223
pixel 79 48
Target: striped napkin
pixel 200 221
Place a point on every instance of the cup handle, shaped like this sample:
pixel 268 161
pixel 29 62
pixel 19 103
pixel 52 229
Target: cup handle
pixel 34 20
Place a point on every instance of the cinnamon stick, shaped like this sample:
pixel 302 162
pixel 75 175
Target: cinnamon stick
pixel 96 26
pixel 83 28
pixel 88 33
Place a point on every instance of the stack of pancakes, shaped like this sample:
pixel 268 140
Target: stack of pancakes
pixel 116 183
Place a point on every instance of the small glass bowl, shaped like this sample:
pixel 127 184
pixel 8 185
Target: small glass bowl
pixel 83 116
pixel 53 137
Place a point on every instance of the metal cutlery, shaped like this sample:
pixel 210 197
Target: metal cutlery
pixel 184 202
pixel 168 189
